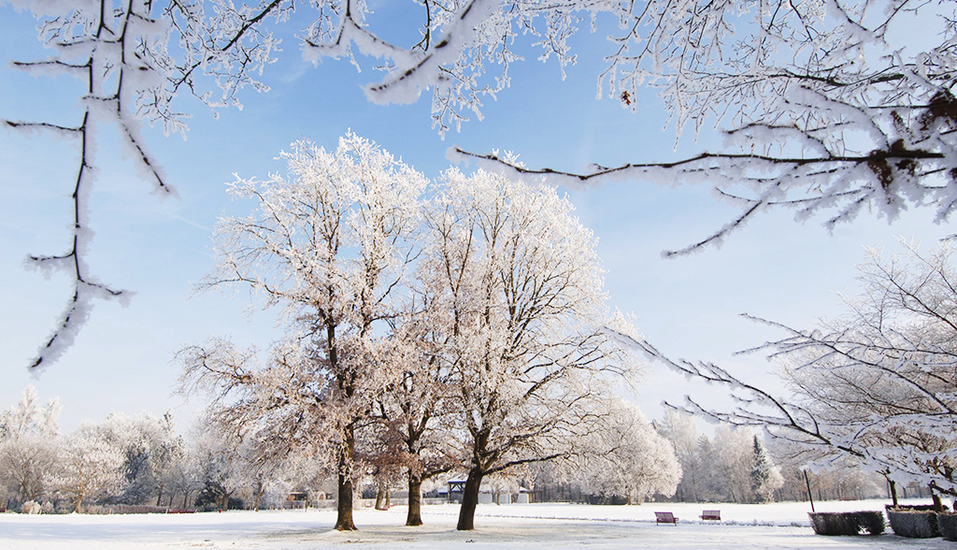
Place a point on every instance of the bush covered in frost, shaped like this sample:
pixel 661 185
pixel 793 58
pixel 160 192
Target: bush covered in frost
pixel 913 524
pixel 947 523
pixel 847 523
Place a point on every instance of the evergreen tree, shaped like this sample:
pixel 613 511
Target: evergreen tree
pixel 760 474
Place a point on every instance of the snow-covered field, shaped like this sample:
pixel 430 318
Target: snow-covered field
pixel 524 526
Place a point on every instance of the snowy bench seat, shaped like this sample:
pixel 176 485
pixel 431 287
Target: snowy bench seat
pixel 665 517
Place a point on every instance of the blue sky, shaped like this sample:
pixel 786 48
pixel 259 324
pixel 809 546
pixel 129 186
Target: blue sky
pixel 158 248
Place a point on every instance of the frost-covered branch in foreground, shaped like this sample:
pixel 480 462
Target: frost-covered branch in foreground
pixel 879 384
pixel 828 108
pixel 120 51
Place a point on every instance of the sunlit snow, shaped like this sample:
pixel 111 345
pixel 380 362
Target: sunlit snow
pixel 529 527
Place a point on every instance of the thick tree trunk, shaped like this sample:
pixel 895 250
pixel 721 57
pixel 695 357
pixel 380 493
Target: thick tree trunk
pixel 381 499
pixel 414 516
pixel 470 500
pixel 344 520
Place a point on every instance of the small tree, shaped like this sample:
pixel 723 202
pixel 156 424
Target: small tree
pixel 626 457
pixel 218 464
pixel 765 476
pixel 29 446
pixel 150 448
pixel 417 412
pixel 91 466
pixel 680 430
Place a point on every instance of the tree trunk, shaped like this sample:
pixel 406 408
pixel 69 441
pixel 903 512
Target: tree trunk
pixel 344 520
pixel 224 505
pixel 381 499
pixel 414 517
pixel 259 491
pixel 470 500
pixel 938 505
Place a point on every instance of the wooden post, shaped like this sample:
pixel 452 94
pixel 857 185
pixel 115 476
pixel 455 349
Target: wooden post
pixel 809 496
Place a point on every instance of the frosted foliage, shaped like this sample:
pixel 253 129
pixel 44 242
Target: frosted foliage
pixel 28 445
pixel 828 107
pixel 890 357
pixel 90 465
pixel 151 451
pixel 29 417
pixel 229 465
pixel 330 246
pixel 329 238
pixel 629 458
pixel 518 299
pixel 876 385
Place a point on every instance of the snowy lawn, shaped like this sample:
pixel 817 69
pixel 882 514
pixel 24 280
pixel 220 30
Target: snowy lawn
pixel 529 527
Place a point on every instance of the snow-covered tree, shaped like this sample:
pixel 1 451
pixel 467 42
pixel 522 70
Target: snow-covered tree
pixel 218 464
pixel 734 462
pixel 415 414
pixel 329 245
pixel 522 309
pixel 711 482
pixel 182 480
pixel 876 384
pixel 150 449
pixel 91 466
pixel 628 458
pixel 680 430
pixel 29 446
pixel 765 476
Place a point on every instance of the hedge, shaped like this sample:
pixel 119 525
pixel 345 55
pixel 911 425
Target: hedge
pixel 947 523
pixel 913 524
pixel 847 523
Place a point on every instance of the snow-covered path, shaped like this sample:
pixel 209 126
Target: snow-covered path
pixel 525 527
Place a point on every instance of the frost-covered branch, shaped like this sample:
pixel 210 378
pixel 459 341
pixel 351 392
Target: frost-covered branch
pixel 879 384
pixel 827 108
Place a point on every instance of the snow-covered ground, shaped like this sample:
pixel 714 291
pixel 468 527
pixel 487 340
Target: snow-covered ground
pixel 524 526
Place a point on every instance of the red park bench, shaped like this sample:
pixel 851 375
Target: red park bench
pixel 713 515
pixel 665 517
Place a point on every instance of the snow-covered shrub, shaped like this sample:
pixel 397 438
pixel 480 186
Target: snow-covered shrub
pixel 947 524
pixel 913 524
pixel 31 507
pixel 847 523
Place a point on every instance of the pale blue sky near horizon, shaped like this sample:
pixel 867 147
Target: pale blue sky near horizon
pixel 123 358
